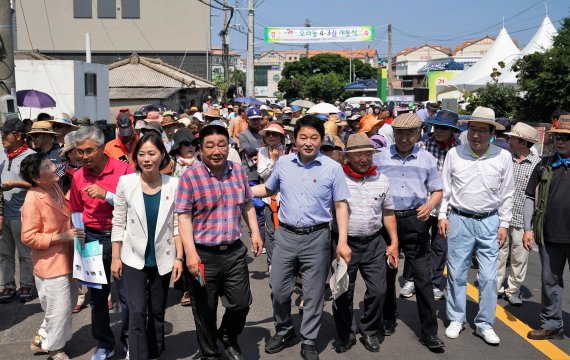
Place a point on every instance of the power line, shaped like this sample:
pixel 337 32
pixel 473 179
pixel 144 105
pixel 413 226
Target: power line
pixel 49 26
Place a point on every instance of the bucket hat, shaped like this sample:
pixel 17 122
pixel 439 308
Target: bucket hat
pixel 446 118
pixel 358 143
pixel 525 132
pixel 63 118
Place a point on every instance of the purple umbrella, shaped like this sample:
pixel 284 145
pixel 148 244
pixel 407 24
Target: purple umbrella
pixel 34 99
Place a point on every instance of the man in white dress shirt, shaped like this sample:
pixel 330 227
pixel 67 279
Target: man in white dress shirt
pixel 478 190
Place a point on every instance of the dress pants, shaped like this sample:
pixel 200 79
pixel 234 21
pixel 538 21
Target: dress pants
pixel 148 291
pixel 553 257
pixel 308 254
pixel 519 262
pixel 466 234
pixel 10 241
pixel 227 276
pixel 370 258
pixel 269 233
pixel 413 240
pixel 438 255
pixel 100 320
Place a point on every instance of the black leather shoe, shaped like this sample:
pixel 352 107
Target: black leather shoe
pixel 371 343
pixel 389 327
pixel 233 352
pixel 432 342
pixel 278 342
pixel 309 352
pixel 344 345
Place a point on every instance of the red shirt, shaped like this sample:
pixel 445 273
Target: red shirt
pixel 97 213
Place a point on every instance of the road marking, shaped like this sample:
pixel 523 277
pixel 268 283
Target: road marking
pixel 544 346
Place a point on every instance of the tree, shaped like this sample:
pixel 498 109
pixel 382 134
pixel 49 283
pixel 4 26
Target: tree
pixel 499 97
pixel 545 78
pixel 301 78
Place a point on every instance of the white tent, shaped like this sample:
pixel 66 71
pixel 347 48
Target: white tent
pixel 479 74
pixel 541 41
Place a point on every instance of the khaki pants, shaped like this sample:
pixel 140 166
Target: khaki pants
pixel 519 262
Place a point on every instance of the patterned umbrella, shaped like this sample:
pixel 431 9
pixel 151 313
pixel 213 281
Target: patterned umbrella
pixel 34 99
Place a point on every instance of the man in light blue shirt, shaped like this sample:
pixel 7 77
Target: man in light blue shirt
pixel 310 185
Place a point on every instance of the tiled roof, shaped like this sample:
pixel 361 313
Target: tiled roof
pixel 143 72
pixel 31 55
pixel 407 51
pixel 126 93
pixel 467 43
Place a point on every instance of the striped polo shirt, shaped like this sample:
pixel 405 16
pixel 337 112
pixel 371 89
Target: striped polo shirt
pixel 411 178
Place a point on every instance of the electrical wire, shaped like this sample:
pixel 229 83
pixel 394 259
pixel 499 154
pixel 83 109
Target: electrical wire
pixel 49 27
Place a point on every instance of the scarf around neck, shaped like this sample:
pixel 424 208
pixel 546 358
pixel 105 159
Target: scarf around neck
pixel 18 151
pixel 356 176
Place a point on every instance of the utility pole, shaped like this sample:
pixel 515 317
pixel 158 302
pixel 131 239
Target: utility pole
pixel 307 24
pixel 389 59
pixel 250 69
pixel 225 43
pixel 350 68
pixel 7 72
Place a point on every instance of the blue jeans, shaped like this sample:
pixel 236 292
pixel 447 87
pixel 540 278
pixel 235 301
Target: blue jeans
pixel 100 321
pixel 465 235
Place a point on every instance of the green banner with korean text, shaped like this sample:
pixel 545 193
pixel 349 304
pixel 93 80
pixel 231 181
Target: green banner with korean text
pixel 305 35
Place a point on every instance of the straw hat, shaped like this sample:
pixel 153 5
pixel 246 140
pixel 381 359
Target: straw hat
pixel 65 119
pixel 484 115
pixel 42 127
pixel 524 132
pixel 563 125
pixel 212 113
pixel 407 121
pixel 273 127
pixel 153 116
pixel 358 143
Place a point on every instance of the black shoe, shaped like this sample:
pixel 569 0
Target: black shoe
pixel 344 345
pixel 389 327
pixel 432 342
pixel 278 342
pixel 370 342
pixel 233 352
pixel 309 352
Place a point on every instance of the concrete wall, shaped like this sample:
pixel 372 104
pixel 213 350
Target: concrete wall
pixel 424 53
pixel 64 81
pixel 161 27
pixel 478 49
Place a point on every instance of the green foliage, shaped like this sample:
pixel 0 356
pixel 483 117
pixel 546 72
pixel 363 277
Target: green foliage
pixel 323 76
pixel 544 79
pixel 499 97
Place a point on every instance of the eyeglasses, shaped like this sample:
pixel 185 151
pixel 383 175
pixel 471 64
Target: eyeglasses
pixel 271 133
pixel 474 131
pixel 87 152
pixel 561 137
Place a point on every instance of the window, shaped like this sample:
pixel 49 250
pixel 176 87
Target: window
pixel 90 84
pixel 82 9
pixel 131 9
pixel 106 9
pixel 260 75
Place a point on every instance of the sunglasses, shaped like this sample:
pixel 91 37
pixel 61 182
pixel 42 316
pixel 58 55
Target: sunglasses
pixel 561 137
pixel 271 133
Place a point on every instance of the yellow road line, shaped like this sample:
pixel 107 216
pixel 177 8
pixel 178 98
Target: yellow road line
pixel 544 346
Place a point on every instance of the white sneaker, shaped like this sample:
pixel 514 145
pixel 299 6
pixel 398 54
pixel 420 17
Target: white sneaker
pixel 438 294
pixel 102 354
pixel 453 330
pixel 407 290
pixel 488 335
pixel 514 299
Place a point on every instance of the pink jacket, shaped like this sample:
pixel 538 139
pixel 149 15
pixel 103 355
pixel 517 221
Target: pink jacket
pixel 42 218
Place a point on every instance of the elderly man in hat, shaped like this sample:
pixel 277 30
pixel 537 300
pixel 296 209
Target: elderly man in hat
pixel 62 124
pixel 169 125
pixel 210 115
pixel 121 148
pixel 548 188
pixel 413 175
pixel 522 139
pixel 478 188
pixel 443 138
pixel 311 185
pixel 43 140
pixel 369 206
pixel 14 189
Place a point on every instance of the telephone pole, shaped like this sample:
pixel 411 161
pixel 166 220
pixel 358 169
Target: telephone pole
pixel 7 72
pixel 225 43
pixel 250 69
pixel 307 24
pixel 389 59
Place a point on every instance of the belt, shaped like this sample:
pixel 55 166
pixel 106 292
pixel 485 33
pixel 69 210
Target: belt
pixel 477 216
pixel 98 232
pixel 304 230
pixel 406 213
pixel 220 248
pixel 363 239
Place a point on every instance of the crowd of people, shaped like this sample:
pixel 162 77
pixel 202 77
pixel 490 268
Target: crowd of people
pixel 165 194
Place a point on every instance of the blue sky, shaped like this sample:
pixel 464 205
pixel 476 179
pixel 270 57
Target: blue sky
pixel 414 22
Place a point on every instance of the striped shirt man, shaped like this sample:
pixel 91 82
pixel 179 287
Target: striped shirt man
pixel 215 204
pixel 411 178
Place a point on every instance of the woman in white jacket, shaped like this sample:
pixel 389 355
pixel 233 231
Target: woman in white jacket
pixel 147 249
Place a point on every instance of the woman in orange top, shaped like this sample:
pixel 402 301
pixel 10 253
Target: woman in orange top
pixel 46 229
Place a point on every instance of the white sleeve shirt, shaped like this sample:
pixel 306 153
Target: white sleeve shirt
pixel 478 184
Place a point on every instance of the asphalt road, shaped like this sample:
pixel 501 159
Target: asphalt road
pixel 19 322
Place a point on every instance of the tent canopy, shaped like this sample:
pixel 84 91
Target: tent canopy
pixel 479 74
